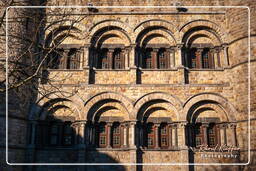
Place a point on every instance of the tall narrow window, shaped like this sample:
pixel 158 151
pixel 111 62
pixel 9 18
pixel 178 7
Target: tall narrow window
pixel 162 59
pixel 150 135
pixel 212 135
pixel 193 58
pixel 148 59
pixel 164 136
pixel 73 59
pixel 67 134
pixel 102 134
pixel 116 140
pixel 199 135
pixel 54 135
pixel 56 59
pixel 118 59
pixel 104 61
pixel 207 60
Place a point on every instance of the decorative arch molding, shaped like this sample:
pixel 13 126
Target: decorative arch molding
pixel 58 32
pixel 177 105
pixel 203 33
pixel 160 33
pixel 170 27
pixel 164 105
pixel 40 108
pixel 112 33
pixel 209 98
pixel 106 24
pixel 220 112
pixel 204 23
pixel 155 22
pixel 109 106
pixel 125 101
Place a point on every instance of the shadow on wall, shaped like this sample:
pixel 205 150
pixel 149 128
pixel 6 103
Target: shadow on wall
pixel 56 141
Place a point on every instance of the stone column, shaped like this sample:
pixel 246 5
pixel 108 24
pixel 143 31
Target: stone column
pixel 170 136
pixel 205 126
pixel 33 134
pixel 217 57
pixel 199 61
pixel 231 134
pixel 157 125
pixel 132 56
pixel 92 135
pixel 233 128
pixel 174 136
pixel 132 134
pixel 178 55
pixel 125 135
pixel 182 135
pixel 154 58
pixel 84 60
pixel 109 125
pixel 223 137
pixel 81 138
pixel 81 142
pixel 30 153
pixel 126 58
pixel 171 60
pixel 225 55
pixel 76 128
pixel 110 58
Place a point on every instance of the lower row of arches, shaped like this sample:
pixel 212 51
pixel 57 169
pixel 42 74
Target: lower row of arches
pixel 131 134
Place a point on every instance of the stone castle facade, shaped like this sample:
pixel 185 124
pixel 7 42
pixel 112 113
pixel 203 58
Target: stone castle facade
pixel 142 85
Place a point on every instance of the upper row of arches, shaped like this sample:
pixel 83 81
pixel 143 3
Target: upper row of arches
pixel 156 104
pixel 146 32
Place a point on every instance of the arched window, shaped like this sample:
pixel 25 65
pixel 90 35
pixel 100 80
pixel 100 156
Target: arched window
pixel 206 134
pixel 212 135
pixel 104 61
pixel 150 135
pixel 116 135
pixel 54 134
pixel 73 59
pixel 200 58
pixel 199 135
pixel 162 59
pixel 68 135
pixel 164 136
pixel 207 60
pixel 148 62
pixel 102 135
pixel 64 58
pixel 193 60
pixel 118 59
pixel 60 134
pixel 56 59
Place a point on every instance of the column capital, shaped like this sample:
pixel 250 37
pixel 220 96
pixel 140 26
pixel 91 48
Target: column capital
pixel 223 125
pixel 157 124
pixel 111 50
pixel 87 45
pixel 232 125
pixel 224 45
pixel 205 125
pixel 109 123
pixel 132 45
pixel 182 125
pixel 179 46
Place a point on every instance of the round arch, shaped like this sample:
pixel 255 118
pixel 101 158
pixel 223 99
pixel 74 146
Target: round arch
pixel 174 101
pixel 43 103
pixel 203 23
pixel 123 100
pixel 107 24
pixel 212 98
